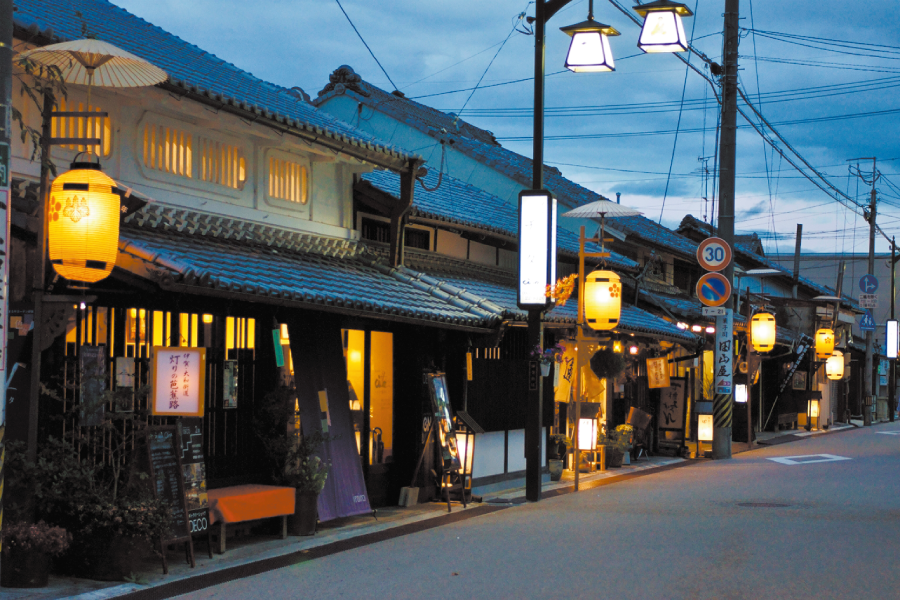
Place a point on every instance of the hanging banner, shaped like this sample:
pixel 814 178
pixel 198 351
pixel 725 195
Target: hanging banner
pixel 658 372
pixel 178 377
pixel 566 373
pixel 724 357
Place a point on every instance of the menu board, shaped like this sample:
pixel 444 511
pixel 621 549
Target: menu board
pixel 193 466
pixel 167 479
pixel 440 402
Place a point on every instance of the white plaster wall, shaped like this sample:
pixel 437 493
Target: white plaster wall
pixel 488 454
pixel 482 253
pixel 452 244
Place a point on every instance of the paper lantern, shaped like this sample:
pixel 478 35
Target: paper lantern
pixel 834 366
pixel 762 332
pixel 663 30
pixel 83 223
pixel 704 428
pixel 587 434
pixel 602 300
pixel 824 343
pixel 589 50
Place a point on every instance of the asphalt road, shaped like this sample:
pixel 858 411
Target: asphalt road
pixel 749 527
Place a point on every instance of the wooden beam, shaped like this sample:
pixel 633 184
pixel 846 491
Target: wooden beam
pixel 75 141
pixel 401 209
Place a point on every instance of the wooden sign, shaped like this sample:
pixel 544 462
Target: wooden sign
pixel 178 378
pixel 166 477
pixel 658 372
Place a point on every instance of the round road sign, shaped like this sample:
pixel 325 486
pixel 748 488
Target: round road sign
pixel 868 284
pixel 713 289
pixel 713 254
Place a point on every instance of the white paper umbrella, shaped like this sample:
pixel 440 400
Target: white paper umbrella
pixel 93 62
pixel 602 209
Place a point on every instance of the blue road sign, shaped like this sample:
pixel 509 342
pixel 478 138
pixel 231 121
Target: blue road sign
pixel 868 284
pixel 867 321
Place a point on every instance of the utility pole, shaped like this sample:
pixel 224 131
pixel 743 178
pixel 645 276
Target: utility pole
pixel 722 402
pixel 892 376
pixel 6 40
pixel 870 335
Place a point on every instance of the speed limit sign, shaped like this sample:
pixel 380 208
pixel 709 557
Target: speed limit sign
pixel 713 254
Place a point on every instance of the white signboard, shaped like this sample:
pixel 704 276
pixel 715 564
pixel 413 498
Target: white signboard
pixel 537 246
pixel 724 356
pixel 868 300
pixel 179 377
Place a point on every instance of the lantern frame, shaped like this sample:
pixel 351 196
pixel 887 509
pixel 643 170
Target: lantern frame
pixel 602 313
pixel 588 38
pixel 587 434
pixel 763 332
pixel 466 429
pixel 666 13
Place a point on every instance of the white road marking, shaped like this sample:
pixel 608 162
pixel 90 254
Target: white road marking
pixel 806 459
pixel 888 432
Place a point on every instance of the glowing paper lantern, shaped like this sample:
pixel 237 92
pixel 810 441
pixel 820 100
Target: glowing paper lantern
pixel 587 434
pixel 824 343
pixel 602 300
pixel 704 428
pixel 762 332
pixel 663 30
pixel 589 50
pixel 834 366
pixel 83 223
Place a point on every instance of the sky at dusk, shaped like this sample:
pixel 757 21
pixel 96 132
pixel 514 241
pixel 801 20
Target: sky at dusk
pixel 826 74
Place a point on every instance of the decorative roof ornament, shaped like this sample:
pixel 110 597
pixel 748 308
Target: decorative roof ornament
pixel 344 78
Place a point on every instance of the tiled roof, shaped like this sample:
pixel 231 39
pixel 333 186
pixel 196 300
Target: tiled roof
pixel 455 201
pixel 652 233
pixel 188 66
pixel 205 254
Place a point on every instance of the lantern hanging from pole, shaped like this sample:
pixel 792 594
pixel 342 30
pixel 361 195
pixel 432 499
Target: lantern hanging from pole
pixel 83 223
pixel 762 332
pixel 602 300
pixel 663 30
pixel 589 50
pixel 834 366
pixel 824 343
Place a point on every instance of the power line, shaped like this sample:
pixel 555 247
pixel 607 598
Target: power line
pixel 365 44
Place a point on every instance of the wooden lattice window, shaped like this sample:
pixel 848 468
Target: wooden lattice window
pixel 288 180
pixel 82 127
pixel 222 163
pixel 168 149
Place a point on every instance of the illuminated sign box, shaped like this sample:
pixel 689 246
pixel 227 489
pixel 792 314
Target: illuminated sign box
pixel 178 377
pixel 893 339
pixel 537 247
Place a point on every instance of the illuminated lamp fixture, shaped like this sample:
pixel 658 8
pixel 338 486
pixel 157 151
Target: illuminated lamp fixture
pixel 834 366
pixel 704 428
pixel 466 430
pixel 633 350
pixel 696 328
pixel 618 347
pixel 710 329
pixel 824 343
pixel 587 434
pixel 762 332
pixel 663 30
pixel 285 338
pixel 892 340
pixel 681 325
pixel 812 412
pixel 207 319
pixel 602 300
pixel 740 393
pixel 589 50
pixel 83 223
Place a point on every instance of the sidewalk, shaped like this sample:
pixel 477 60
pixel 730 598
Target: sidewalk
pixel 260 553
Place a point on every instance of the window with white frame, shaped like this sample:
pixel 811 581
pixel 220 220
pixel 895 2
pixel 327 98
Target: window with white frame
pixel 288 179
pixel 168 149
pixel 82 127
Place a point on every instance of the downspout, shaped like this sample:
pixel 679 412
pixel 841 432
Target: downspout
pixel 407 191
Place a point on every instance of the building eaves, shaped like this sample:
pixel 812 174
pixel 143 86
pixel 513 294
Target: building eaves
pixel 202 76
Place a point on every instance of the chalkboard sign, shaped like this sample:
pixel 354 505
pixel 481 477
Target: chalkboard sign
pixel 193 465
pixel 166 478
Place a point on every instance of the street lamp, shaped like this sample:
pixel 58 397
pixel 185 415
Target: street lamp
pixel 834 366
pixel 589 51
pixel 602 300
pixel 762 332
pixel 663 30
pixel 824 343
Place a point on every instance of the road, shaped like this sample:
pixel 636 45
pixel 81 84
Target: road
pixel 748 527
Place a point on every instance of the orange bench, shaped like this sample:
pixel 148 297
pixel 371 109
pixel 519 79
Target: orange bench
pixel 250 502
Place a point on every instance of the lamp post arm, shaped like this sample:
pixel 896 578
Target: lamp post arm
pixel 551 7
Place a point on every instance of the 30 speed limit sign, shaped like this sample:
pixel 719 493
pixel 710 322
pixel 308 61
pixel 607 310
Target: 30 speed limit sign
pixel 714 254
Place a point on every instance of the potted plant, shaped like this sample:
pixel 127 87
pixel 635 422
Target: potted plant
pixel 617 444
pixel 28 551
pixel 607 364
pixel 293 457
pixel 547 357
pixel 556 453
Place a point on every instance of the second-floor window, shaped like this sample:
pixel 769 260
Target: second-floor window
pixel 168 149
pixel 222 163
pixel 82 127
pixel 288 180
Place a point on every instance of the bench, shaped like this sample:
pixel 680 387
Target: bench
pixel 789 419
pixel 241 503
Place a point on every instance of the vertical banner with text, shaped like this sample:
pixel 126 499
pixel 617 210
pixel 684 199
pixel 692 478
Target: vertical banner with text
pixel 724 366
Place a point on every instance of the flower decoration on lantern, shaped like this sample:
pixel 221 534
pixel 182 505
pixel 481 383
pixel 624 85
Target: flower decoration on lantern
pixel 762 332
pixel 602 300
pixel 824 343
pixel 83 223
pixel 562 290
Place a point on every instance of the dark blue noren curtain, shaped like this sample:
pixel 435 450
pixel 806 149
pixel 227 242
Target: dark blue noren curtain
pixel 318 356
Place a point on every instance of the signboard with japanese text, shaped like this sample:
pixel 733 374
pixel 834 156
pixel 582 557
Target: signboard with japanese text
pixel 658 372
pixel 193 466
pixel 724 356
pixel 178 381
pixel 566 373
pixel 537 247
pixel 868 300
